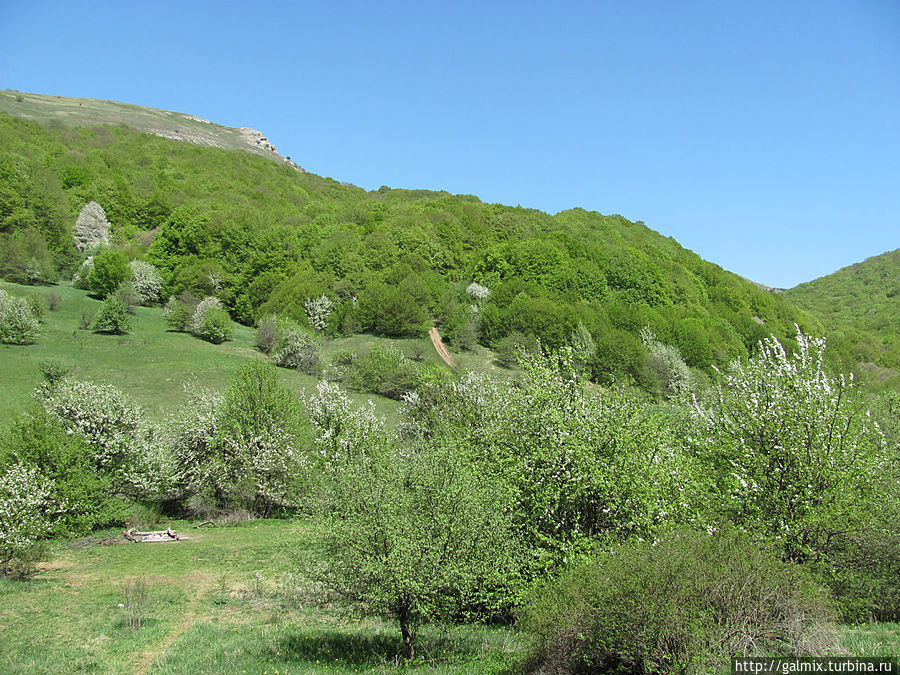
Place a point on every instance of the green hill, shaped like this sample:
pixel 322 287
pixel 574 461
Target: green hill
pixel 859 306
pixel 265 237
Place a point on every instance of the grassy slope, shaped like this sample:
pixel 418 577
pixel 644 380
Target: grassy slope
pixel 234 599
pixel 864 297
pixel 151 364
pixel 81 112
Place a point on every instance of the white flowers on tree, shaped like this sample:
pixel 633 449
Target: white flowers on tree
pixel 318 310
pixel 124 444
pixel 791 448
pixel 342 431
pixel 91 227
pixel 477 291
pixel 204 307
pixel 27 511
pixel 147 281
pixel 667 363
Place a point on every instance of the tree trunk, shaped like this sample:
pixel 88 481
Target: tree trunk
pixel 410 648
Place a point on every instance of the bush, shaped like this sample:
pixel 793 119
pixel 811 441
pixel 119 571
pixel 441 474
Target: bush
pixel 39 441
pixel 91 227
pixel 386 372
pixel 210 321
pixel 177 314
pixel 296 347
pixel 112 317
pixel 109 269
pixel 147 281
pixel 27 514
pixel 266 333
pixel 684 605
pixel 18 324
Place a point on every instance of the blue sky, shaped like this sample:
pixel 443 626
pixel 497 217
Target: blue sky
pixel 764 136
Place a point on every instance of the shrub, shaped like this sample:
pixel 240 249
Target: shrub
pixel 686 604
pixel 18 324
pixel 39 441
pixel 128 295
pixel 123 443
pixel 665 363
pixel 83 273
pixel 210 321
pixel 296 347
pixel 386 372
pixel 109 269
pixel 112 317
pixel 177 314
pixel 147 281
pixel 791 451
pixel 266 333
pixel 27 514
pixel 318 310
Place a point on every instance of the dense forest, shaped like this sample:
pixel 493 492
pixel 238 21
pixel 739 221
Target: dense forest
pixel 264 237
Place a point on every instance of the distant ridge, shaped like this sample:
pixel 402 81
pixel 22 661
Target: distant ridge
pixel 84 112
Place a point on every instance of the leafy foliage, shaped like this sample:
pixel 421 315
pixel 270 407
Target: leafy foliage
pixel 112 317
pixel 27 513
pixel 687 604
pixel 18 323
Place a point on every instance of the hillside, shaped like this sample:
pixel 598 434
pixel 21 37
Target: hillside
pixel 85 112
pixel 859 306
pixel 265 238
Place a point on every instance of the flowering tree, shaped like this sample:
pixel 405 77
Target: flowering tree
pixel 147 281
pixel 791 450
pixel 318 310
pixel 27 513
pixel 340 430
pixel 210 321
pixel 124 444
pixel 91 227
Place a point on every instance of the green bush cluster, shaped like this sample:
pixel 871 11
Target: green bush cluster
pixel 686 604
pixel 19 323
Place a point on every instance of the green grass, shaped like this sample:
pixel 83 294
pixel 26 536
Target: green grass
pixel 236 598
pixel 152 364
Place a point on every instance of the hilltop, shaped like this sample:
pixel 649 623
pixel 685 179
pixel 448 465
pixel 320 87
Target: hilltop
pixel 86 112
pixel 859 305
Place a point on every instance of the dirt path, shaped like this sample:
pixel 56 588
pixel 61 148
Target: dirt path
pixel 441 347
pixel 201 585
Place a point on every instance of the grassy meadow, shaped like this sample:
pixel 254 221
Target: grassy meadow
pixel 241 598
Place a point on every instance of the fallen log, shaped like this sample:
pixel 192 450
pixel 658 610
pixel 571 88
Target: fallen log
pixel 205 522
pixel 158 536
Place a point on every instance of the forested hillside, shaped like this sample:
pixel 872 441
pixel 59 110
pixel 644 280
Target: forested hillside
pixel 264 238
pixel 859 306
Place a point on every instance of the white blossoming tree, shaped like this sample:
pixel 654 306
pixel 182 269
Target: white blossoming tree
pixel 318 310
pixel 27 514
pixel 791 450
pixel 18 323
pixel 91 227
pixel 147 281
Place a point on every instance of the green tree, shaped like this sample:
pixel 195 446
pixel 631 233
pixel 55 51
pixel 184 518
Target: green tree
pixel 426 538
pixel 110 268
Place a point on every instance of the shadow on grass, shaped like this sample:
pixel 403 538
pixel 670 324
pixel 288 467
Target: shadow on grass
pixel 381 648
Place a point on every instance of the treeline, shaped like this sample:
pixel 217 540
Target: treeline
pixel 265 238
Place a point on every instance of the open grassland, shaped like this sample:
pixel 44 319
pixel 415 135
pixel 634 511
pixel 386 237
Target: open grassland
pixel 152 364
pixel 238 598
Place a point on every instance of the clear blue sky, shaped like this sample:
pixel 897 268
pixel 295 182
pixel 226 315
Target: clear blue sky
pixel 763 135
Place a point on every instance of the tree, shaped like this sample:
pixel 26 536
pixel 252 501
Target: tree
pixel 27 513
pixel 147 281
pixel 210 321
pixel 425 539
pixel 109 269
pixel 91 227
pixel 792 451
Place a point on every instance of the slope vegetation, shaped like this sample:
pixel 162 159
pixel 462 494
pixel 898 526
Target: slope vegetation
pixel 859 306
pixel 266 238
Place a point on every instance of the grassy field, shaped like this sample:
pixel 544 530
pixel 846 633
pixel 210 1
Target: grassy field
pixel 240 598
pixel 153 364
